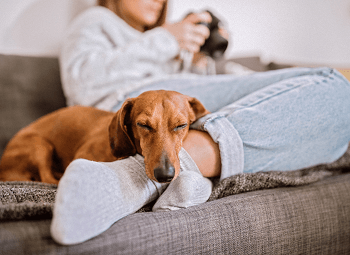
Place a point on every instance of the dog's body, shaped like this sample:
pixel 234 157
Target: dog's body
pixel 42 150
pixel 153 125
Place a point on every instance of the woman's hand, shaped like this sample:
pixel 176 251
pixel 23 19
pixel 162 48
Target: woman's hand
pixel 189 34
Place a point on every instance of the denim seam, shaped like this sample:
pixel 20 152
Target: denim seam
pixel 205 123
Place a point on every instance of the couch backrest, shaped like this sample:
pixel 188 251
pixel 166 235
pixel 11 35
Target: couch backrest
pixel 30 87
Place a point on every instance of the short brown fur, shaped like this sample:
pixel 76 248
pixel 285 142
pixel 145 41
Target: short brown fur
pixel 43 150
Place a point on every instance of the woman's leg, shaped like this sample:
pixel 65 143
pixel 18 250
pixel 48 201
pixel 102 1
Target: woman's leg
pixel 204 152
pixel 291 124
pixel 218 91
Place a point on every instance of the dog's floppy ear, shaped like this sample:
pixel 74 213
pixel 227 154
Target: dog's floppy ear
pixel 198 108
pixel 120 133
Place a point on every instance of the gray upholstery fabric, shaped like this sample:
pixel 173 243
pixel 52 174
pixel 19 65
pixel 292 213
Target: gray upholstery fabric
pixel 29 88
pixel 310 219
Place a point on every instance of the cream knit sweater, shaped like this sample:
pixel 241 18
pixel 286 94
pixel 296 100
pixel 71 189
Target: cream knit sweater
pixel 103 59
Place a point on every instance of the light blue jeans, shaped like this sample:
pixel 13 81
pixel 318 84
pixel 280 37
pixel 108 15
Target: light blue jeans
pixel 279 120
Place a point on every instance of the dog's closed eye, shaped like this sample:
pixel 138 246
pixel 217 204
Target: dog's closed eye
pixel 179 127
pixel 144 126
pixel 149 128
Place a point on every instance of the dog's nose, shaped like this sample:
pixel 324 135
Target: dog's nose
pixel 165 174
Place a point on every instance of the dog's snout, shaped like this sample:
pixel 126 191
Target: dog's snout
pixel 164 173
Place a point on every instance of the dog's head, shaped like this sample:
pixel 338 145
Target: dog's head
pixel 154 125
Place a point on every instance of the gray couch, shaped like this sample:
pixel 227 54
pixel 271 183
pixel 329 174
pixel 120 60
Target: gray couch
pixel 301 212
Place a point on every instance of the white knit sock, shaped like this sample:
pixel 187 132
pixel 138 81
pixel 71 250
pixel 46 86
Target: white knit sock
pixel 91 196
pixel 188 189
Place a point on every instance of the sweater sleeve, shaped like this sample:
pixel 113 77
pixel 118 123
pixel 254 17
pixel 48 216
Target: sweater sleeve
pixel 98 56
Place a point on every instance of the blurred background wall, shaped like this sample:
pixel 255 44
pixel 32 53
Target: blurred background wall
pixel 299 32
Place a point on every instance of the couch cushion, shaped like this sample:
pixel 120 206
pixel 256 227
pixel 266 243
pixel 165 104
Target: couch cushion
pixel 310 219
pixel 29 88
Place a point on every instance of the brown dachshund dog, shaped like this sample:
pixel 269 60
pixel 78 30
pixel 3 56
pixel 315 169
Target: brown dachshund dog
pixel 153 124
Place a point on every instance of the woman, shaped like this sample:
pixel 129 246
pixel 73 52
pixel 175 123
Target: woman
pixel 280 120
